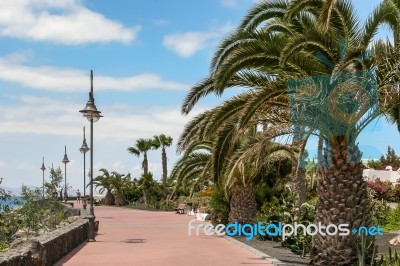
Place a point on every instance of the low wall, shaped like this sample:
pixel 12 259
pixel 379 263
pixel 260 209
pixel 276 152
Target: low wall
pixel 46 249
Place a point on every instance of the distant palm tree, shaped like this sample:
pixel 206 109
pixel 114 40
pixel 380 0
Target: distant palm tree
pixel 119 182
pixel 142 147
pixel 163 141
pixel 145 183
pixel 104 182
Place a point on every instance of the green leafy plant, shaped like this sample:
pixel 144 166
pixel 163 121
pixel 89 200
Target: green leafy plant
pixel 283 210
pixel 393 220
pixel 9 223
pixel 219 208
pixel 32 211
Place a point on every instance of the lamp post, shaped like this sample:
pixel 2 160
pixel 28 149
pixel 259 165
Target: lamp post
pixel 83 149
pixel 93 115
pixel 65 161
pixel 43 168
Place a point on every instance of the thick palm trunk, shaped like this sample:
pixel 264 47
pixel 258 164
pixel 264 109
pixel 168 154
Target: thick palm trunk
pixel 109 199
pixel 342 199
pixel 164 177
pixel 243 205
pixel 120 200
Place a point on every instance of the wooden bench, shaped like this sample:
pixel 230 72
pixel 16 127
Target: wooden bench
pixel 181 208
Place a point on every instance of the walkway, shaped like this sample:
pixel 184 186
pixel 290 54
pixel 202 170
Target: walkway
pixel 133 237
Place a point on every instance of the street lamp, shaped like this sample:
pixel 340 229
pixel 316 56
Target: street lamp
pixel 83 150
pixel 65 161
pixel 93 115
pixel 43 168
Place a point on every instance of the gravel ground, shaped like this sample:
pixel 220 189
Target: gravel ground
pixel 275 249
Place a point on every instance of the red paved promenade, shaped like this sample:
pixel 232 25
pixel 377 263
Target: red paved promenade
pixel 133 237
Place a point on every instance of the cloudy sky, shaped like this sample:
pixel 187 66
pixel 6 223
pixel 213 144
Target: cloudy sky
pixel 146 54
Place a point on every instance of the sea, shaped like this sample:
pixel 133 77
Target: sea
pixel 14 202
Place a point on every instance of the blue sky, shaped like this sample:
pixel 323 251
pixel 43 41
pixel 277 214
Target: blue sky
pixel 146 54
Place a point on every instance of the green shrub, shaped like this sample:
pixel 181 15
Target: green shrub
pixel 283 210
pixel 167 205
pixel 393 220
pixel 219 208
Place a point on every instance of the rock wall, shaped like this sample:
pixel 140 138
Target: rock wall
pixel 46 249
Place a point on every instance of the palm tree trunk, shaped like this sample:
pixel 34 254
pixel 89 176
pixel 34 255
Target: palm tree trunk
pixel 145 164
pixel 145 197
pixel 298 170
pixel 173 192
pixel 164 167
pixel 342 199
pixel 243 205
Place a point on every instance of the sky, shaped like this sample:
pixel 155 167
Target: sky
pixel 145 54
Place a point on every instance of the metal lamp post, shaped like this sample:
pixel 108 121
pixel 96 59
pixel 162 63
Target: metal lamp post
pixel 93 115
pixel 65 161
pixel 43 168
pixel 83 149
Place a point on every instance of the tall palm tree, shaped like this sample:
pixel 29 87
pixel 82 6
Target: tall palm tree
pixel 142 147
pixel 163 141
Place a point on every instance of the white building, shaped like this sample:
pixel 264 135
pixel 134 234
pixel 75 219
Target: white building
pixel 383 175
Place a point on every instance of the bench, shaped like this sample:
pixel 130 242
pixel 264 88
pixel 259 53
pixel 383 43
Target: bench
pixel 181 208
pixel 201 214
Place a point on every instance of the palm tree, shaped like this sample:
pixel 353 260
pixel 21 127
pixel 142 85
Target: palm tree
pixel 104 182
pixel 194 166
pixel 142 147
pixel 145 183
pixel 119 182
pixel 163 141
pixel 282 41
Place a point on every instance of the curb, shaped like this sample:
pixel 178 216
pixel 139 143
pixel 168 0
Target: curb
pixel 256 252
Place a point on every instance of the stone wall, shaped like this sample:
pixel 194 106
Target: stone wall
pixel 46 249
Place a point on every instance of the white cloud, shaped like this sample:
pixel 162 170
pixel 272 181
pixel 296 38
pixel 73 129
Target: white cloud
pixel 188 43
pixel 60 21
pixel 60 79
pixel 39 115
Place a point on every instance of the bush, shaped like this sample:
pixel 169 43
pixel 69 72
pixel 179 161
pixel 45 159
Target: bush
pixel 219 208
pixel 379 208
pixel 393 220
pixel 283 210
pixel 167 205
pixel 9 222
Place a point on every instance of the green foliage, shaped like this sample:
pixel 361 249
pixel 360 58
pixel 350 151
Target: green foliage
pixel 133 193
pixel 365 250
pixel 219 208
pixel 54 184
pixel 167 205
pixel 389 159
pixel 379 208
pixel 390 259
pixel 393 220
pixel 9 223
pixel 283 210
pixel 32 210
